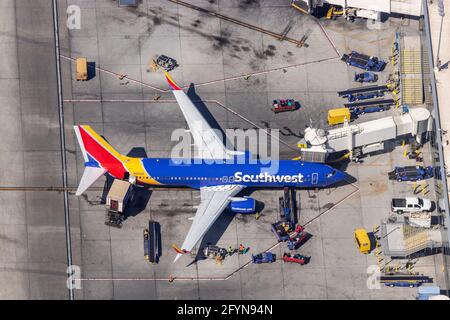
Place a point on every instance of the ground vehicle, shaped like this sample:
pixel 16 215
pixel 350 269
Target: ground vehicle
pixel 297 238
pixel 368 109
pixel 363 61
pixel 212 251
pixel 82 69
pixel 362 240
pixel 265 257
pixel 337 116
pixel 281 105
pixel 167 63
pixel 295 242
pixel 280 229
pixel 366 77
pixel 411 173
pixel 410 204
pixel 404 280
pixel 152 245
pixel 297 258
pixel 364 96
pixel 378 103
pixel 116 201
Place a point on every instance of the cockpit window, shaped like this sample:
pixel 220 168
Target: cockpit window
pixel 331 174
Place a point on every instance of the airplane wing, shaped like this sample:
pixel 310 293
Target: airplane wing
pixel 208 142
pixel 213 201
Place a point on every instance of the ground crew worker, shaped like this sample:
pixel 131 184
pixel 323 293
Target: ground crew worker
pixel 219 259
pixel 230 250
pixel 257 215
pixel 241 249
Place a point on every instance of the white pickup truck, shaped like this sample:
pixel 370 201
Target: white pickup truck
pixel 411 205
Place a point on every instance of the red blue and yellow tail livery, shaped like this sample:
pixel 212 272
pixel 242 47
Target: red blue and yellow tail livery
pixel 219 181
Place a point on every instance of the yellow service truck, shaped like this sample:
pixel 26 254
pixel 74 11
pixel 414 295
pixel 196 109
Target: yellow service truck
pixel 82 69
pixel 337 116
pixel 362 240
pixel 120 193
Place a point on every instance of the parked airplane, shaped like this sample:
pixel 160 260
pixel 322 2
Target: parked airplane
pixel 219 181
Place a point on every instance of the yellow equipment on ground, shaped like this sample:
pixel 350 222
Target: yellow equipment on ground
pixel 333 12
pixel 362 240
pixel 337 116
pixel 82 69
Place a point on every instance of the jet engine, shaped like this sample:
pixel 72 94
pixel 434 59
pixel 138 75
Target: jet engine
pixel 242 205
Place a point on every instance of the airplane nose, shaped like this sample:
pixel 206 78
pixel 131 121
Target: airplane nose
pixel 339 176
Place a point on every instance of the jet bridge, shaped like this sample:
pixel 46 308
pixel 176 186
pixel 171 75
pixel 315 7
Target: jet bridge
pixel 367 136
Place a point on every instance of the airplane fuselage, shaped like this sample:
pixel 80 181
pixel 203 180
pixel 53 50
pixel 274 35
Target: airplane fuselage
pixel 197 174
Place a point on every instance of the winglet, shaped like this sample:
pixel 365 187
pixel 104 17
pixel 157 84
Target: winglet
pixel 179 252
pixel 172 83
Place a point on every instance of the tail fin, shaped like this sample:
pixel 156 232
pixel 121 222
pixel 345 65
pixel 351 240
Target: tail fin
pixel 99 157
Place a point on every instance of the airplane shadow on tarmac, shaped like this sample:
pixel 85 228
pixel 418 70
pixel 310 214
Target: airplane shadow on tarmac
pixel 203 109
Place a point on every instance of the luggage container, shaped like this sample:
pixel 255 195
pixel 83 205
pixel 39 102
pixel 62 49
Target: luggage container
pixel 337 116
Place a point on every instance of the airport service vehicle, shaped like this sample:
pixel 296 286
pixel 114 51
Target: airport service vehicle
pixel 220 173
pixel 152 243
pixel 404 280
pixel 281 230
pixel 265 257
pixel 338 116
pixel 363 61
pixel 364 96
pixel 117 199
pixel 211 251
pixel 297 258
pixel 359 110
pixel 362 240
pixel 297 238
pixel 366 77
pixel 82 69
pixel 410 204
pixel 411 173
pixel 282 105
pixel 166 63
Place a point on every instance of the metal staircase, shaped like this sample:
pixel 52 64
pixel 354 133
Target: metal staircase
pixel 411 73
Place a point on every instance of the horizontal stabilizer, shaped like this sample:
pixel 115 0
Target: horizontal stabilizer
pixel 90 175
